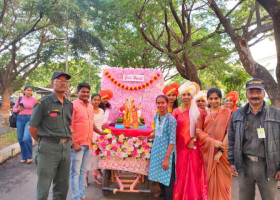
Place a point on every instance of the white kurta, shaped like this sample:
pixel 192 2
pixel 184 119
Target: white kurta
pixel 98 122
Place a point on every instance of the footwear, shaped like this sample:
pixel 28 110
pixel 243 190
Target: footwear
pixel 157 194
pixel 95 180
pixel 278 186
pixel 29 161
pixel 86 181
pixel 85 198
pixel 23 161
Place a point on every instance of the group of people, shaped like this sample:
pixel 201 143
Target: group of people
pixel 65 132
pixel 211 143
pixel 197 146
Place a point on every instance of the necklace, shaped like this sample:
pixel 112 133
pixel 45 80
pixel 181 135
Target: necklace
pixel 215 114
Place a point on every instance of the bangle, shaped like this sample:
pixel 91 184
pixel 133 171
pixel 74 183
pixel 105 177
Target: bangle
pixel 221 150
pixel 167 156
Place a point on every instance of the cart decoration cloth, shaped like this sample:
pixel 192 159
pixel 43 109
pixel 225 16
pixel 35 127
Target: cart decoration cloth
pixel 131 164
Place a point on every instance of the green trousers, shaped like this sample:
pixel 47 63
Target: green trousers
pixel 53 166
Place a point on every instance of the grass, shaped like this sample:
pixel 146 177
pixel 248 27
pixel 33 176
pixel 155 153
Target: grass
pixel 8 139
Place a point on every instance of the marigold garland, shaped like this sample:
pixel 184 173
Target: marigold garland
pixel 128 87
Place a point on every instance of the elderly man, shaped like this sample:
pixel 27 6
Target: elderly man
pixel 50 126
pixel 82 128
pixel 254 144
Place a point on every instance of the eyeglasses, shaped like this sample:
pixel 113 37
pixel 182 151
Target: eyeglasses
pixel 61 81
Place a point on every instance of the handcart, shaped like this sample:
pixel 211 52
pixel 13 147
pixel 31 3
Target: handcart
pixel 128 173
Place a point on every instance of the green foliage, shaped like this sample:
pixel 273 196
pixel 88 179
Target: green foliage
pixel 35 31
pixel 80 70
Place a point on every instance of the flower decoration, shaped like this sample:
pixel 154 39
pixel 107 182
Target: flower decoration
pixel 128 87
pixel 123 147
pixel 144 97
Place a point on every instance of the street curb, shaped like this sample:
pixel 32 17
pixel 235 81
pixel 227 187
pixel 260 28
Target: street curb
pixel 9 152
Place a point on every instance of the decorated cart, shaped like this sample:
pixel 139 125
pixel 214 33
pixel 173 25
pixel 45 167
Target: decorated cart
pixel 124 156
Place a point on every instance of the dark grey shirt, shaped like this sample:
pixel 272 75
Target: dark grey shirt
pixel 252 145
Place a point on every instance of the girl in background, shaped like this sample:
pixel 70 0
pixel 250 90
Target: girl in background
pixel 98 121
pixel 24 109
pixel 106 95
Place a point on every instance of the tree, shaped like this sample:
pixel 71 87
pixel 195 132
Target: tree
pixel 78 69
pixel 177 29
pixel 33 32
pixel 252 27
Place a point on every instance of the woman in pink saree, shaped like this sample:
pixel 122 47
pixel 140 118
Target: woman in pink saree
pixel 212 132
pixel 190 181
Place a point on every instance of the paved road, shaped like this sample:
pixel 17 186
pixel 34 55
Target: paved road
pixel 18 181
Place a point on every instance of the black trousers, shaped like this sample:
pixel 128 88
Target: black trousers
pixel 167 191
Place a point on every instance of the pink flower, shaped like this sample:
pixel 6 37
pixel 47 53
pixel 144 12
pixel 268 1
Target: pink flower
pixel 101 137
pixel 146 147
pixel 119 154
pixel 103 144
pixel 114 138
pixel 114 148
pixel 108 153
pixel 130 142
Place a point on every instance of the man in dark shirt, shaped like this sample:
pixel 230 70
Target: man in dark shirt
pixel 254 135
pixel 49 125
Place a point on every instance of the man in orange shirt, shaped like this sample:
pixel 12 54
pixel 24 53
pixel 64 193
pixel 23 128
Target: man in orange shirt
pixel 82 128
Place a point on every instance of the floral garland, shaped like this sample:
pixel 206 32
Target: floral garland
pixel 128 87
pixel 122 147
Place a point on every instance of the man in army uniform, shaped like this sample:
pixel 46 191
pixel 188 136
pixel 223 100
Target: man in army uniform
pixel 49 125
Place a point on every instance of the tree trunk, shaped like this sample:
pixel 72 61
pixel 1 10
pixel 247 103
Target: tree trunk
pixel 6 99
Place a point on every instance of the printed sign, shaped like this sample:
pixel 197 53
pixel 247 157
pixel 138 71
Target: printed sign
pixel 133 77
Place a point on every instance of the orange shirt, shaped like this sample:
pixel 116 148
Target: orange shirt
pixel 82 123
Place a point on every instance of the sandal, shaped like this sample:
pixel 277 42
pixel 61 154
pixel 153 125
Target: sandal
pixel 95 180
pixel 23 161
pixel 29 161
pixel 278 186
pixel 87 182
pixel 157 194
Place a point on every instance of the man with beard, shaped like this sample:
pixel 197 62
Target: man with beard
pixel 50 126
pixel 254 144
pixel 82 128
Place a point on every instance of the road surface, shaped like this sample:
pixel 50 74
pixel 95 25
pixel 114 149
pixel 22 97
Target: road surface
pixel 18 181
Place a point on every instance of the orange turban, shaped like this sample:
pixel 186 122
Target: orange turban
pixel 106 94
pixel 233 95
pixel 172 88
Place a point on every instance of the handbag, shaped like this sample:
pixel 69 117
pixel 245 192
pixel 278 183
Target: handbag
pixel 13 117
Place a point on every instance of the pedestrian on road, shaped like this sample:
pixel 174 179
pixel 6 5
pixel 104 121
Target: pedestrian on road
pixel 24 106
pixel 82 128
pixel 254 147
pixel 50 126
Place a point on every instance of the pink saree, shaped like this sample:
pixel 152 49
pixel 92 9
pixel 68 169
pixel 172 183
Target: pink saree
pixel 214 127
pixel 190 173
